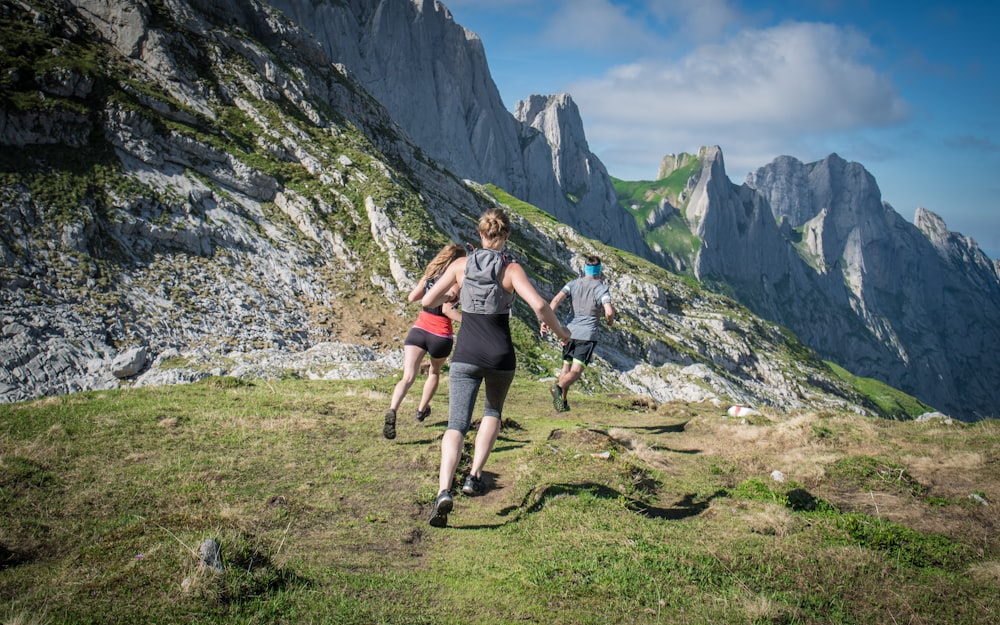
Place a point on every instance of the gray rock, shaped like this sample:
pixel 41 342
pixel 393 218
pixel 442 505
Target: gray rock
pixel 129 363
pixel 432 76
pixel 815 249
pixel 211 555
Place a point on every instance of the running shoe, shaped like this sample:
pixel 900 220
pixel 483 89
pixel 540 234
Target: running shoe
pixel 423 414
pixel 557 398
pixel 389 427
pixel 442 506
pixel 473 486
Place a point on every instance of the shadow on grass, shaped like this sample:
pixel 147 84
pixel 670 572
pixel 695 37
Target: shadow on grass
pixel 688 506
pixel 509 425
pixel 676 428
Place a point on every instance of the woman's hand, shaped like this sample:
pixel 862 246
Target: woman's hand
pixel 563 334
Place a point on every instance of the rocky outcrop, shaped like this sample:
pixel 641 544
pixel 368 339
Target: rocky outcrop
pixel 567 177
pixel 672 162
pixel 814 248
pixel 429 73
pixel 170 230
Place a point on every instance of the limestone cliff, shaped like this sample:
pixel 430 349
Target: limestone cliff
pixel 566 176
pixel 910 304
pixel 432 76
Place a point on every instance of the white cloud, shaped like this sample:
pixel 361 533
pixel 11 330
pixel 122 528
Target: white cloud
pixel 634 25
pixel 596 25
pixel 697 20
pixel 757 94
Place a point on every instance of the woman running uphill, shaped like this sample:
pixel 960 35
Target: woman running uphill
pixel 432 333
pixel 484 351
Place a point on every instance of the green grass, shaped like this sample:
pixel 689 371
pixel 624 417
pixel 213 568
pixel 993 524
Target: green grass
pixel 892 402
pixel 106 497
pixel 673 237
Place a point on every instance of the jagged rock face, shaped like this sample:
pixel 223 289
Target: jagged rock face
pixel 432 76
pixel 429 73
pixel 567 176
pixel 914 305
pixel 743 250
pixel 197 241
pixel 671 163
pixel 558 120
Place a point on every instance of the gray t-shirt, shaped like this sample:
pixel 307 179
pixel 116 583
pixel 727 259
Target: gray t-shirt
pixel 588 297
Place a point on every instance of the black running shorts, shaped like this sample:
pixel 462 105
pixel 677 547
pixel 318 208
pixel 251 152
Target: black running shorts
pixel 579 350
pixel 436 346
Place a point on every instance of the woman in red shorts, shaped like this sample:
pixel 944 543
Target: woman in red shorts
pixel 432 334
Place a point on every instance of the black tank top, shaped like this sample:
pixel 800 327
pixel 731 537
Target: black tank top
pixel 434 310
pixel 484 337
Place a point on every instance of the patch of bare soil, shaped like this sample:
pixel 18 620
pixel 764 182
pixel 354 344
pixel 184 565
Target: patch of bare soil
pixel 358 320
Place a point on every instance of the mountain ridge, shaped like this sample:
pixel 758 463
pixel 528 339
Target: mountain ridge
pixel 941 365
pixel 813 247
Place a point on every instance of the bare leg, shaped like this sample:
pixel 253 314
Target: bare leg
pixel 570 374
pixel 489 427
pixel 412 355
pixel 451 452
pixel 431 384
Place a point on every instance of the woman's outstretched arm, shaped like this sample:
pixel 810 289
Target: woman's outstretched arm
pixel 526 290
pixel 417 292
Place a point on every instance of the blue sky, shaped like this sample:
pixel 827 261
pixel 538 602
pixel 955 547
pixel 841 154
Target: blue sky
pixel 909 90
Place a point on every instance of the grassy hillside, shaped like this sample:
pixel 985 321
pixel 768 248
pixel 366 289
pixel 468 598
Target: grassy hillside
pixel 617 512
pixel 670 236
pixel 893 402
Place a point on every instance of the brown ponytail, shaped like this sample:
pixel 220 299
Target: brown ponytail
pixel 444 258
pixel 494 225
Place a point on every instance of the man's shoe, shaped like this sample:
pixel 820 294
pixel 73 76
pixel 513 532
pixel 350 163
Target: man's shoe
pixel 557 398
pixel 389 427
pixel 473 486
pixel 442 506
pixel 565 406
pixel 423 414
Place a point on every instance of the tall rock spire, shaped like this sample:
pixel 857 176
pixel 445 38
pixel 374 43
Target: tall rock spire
pixel 432 76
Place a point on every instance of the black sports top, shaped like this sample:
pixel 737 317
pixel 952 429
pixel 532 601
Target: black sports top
pixel 484 336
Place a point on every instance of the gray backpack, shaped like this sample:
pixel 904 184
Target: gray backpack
pixel 482 290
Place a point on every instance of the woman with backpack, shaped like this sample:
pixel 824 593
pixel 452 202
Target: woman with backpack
pixel 484 351
pixel 433 334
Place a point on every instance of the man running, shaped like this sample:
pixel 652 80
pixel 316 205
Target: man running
pixel 590 298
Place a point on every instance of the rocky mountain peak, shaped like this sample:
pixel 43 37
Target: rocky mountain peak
pixel 531 108
pixel 960 253
pixel 672 162
pixel 812 246
pixel 906 288
pixel 432 76
pixel 558 119
pixel 931 225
